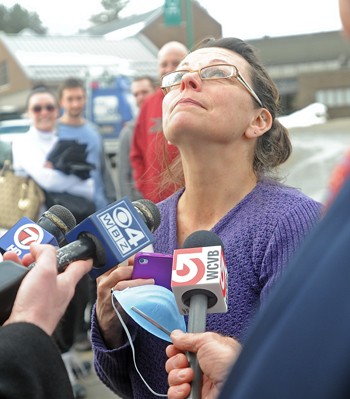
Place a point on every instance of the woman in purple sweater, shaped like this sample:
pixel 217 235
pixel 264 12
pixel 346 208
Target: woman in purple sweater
pixel 220 110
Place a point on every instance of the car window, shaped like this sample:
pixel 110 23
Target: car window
pixel 14 129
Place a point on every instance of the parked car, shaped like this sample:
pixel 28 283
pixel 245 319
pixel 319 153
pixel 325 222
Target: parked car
pixel 11 128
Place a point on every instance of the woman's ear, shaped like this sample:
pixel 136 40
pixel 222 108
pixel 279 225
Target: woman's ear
pixel 261 124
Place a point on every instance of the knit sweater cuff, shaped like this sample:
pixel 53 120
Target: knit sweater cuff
pixel 112 362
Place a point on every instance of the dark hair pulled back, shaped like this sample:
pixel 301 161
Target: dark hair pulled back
pixel 273 147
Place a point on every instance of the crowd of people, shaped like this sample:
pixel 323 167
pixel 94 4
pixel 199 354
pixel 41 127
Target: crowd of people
pixel 205 146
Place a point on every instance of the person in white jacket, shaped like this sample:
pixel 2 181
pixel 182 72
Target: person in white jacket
pixel 30 150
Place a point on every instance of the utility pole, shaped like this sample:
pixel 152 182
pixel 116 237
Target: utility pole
pixel 189 24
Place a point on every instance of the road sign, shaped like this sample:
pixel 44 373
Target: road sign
pixel 172 12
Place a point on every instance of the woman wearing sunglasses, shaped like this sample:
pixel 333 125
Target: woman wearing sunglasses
pixel 220 110
pixel 30 150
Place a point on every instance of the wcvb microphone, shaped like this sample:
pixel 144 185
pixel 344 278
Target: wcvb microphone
pixel 199 283
pixel 111 235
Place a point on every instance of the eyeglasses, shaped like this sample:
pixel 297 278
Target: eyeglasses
pixel 212 72
pixel 38 108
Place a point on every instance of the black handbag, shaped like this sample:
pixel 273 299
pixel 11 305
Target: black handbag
pixel 80 207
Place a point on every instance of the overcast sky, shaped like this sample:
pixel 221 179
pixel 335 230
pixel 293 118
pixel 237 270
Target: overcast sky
pixel 245 19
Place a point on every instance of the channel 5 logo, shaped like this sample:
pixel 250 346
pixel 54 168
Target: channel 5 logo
pixel 188 268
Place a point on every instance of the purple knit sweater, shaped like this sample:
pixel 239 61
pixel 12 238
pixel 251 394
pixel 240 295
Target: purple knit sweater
pixel 259 235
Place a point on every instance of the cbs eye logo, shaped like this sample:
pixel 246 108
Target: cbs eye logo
pixel 188 269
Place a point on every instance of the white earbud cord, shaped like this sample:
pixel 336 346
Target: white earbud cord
pixel 133 349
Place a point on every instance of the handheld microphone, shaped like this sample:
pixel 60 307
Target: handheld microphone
pixel 123 215
pixel 111 235
pixel 53 224
pixel 51 228
pixel 199 283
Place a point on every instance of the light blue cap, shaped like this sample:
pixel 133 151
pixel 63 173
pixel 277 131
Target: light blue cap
pixel 156 302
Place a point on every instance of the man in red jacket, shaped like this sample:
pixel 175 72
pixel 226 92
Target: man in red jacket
pixel 146 155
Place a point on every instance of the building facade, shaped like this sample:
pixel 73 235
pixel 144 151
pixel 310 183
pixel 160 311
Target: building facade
pixel 309 68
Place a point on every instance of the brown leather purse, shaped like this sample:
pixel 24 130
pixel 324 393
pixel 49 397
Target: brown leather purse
pixel 19 196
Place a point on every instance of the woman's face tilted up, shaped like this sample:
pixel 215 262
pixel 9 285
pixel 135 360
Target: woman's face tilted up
pixel 43 111
pixel 220 111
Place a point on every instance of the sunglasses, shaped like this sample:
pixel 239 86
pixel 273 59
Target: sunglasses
pixel 38 108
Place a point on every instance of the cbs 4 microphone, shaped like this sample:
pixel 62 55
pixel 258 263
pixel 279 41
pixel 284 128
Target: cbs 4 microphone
pixel 199 284
pixel 51 228
pixel 111 235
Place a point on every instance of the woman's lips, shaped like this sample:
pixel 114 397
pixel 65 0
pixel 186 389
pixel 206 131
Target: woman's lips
pixel 189 101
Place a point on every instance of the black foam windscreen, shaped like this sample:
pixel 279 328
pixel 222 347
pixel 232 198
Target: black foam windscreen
pixel 65 215
pixel 203 238
pixel 149 212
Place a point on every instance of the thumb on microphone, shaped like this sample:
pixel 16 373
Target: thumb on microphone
pixel 185 341
pixel 216 355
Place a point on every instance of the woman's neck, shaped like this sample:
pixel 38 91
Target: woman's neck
pixel 212 191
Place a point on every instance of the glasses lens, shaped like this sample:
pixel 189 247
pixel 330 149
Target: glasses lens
pixel 37 109
pixel 173 78
pixel 50 107
pixel 217 72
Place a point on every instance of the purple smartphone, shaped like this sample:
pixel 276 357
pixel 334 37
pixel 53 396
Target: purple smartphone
pixel 156 266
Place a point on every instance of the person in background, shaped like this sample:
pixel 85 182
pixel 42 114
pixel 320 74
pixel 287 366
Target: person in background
pixel 298 346
pixel 72 126
pixel 31 149
pixel 141 87
pixel 30 363
pixel 30 152
pixel 338 177
pixel 219 110
pixel 147 143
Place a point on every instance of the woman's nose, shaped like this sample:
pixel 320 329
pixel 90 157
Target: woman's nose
pixel 191 80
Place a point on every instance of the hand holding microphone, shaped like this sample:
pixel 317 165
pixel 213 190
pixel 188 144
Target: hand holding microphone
pixel 199 283
pixel 111 235
pixel 91 243
pixel 44 295
pixel 216 355
pixel 50 229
